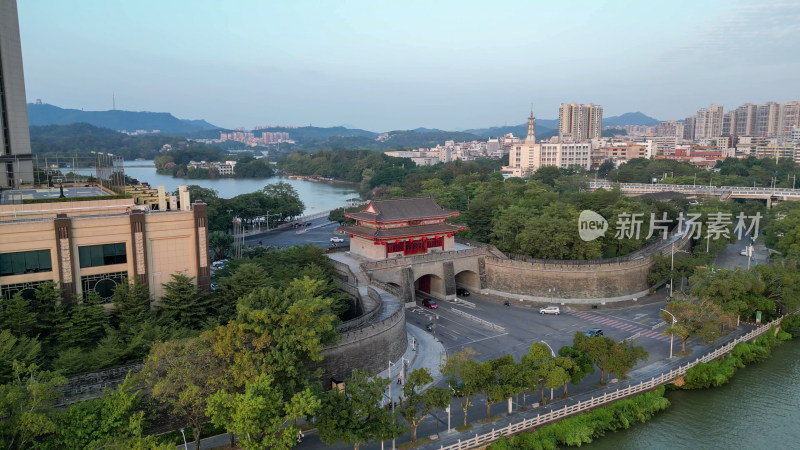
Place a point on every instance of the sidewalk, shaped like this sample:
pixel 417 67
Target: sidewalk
pixel 429 354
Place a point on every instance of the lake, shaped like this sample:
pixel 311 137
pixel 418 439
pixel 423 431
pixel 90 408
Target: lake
pixel 316 196
pixel 758 409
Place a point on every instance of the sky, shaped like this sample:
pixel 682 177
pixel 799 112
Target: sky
pixel 393 65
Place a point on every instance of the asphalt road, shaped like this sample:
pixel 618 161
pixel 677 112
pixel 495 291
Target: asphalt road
pixel 318 233
pixel 524 325
pixel 730 258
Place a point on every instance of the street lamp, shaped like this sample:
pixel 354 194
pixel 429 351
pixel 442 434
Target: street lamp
pixel 672 335
pixel 185 445
pixel 672 267
pixel 554 355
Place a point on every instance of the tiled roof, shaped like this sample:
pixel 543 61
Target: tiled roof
pixel 398 209
pixel 387 233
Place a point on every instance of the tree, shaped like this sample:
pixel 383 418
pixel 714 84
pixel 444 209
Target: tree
pixel 704 319
pixel 20 349
pixel 509 380
pixel 537 366
pixel 624 357
pixel 354 415
pixel 220 244
pixel 735 291
pixel 182 374
pixel 583 365
pixel 283 199
pixel 564 368
pixel 93 423
pixel 26 405
pixel 85 326
pixel 184 304
pixel 247 278
pixel 463 377
pixel 17 317
pixel 599 350
pixel 133 303
pixel 417 404
pixel 259 415
pixel 605 169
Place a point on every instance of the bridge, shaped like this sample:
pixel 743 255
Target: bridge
pixel 723 192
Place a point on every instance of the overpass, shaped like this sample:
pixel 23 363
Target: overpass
pixel 723 192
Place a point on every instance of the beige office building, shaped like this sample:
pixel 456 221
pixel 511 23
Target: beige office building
pixel 93 245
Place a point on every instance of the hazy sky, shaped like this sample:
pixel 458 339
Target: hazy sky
pixel 385 65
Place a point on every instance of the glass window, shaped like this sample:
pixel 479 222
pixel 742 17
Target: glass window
pixel 102 255
pixel 18 263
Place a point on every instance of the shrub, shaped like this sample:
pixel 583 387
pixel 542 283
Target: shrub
pixel 581 429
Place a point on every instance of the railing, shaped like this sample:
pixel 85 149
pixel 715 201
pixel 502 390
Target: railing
pixel 430 257
pixel 696 189
pixel 479 320
pixel 607 397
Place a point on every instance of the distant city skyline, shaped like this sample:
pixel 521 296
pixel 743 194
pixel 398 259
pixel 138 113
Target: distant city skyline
pixel 448 65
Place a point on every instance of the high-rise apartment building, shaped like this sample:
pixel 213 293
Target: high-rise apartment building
pixel 708 124
pixel 16 166
pixel 578 122
pixel 789 118
pixel 745 120
pixel 767 119
pixel 688 128
pixel 670 128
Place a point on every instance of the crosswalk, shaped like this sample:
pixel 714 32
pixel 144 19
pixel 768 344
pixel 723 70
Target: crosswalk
pixel 642 331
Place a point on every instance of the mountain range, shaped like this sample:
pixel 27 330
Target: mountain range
pixel 312 137
pixel 166 123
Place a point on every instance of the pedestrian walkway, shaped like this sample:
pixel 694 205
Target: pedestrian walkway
pixel 641 331
pixel 423 351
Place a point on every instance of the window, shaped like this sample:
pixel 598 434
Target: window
pixel 25 262
pixel 104 284
pixel 102 255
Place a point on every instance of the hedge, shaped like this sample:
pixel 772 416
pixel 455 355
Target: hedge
pixel 582 428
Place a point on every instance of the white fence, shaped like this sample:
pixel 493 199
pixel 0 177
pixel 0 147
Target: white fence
pixel 608 397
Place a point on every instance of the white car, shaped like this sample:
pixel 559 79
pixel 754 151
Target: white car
pixel 550 310
pixel 336 239
pixel 743 252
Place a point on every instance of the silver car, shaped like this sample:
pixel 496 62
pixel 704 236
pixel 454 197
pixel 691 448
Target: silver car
pixel 550 310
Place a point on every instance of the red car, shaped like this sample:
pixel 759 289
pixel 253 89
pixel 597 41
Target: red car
pixel 428 303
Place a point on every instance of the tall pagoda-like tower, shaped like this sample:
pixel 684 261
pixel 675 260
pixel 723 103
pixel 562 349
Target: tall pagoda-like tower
pixel 401 227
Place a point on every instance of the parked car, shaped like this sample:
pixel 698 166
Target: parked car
pixel 550 310
pixel 308 224
pixel 428 303
pixel 462 292
pixel 594 332
pixel 219 264
pixel 337 239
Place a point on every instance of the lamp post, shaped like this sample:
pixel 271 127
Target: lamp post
pixel 672 267
pixel 554 355
pixel 185 445
pixel 672 335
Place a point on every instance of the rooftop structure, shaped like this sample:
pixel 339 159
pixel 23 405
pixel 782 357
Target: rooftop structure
pixel 401 227
pixel 91 245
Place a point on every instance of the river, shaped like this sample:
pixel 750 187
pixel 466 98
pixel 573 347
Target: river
pixel 758 409
pixel 316 196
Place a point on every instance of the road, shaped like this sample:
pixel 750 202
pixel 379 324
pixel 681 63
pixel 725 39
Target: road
pixel 524 326
pixel 318 233
pixel 729 258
